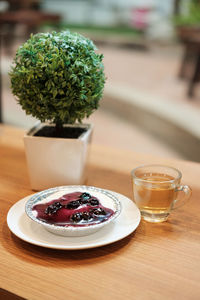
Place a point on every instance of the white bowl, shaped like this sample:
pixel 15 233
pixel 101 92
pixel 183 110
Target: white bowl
pixel 106 199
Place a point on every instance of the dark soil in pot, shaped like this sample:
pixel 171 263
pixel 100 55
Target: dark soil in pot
pixel 65 132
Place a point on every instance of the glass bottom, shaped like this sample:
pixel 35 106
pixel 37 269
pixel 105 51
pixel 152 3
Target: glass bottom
pixel 154 217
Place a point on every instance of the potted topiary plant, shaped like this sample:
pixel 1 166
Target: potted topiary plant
pixel 59 79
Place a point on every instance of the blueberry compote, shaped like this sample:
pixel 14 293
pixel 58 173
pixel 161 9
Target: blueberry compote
pixel 74 209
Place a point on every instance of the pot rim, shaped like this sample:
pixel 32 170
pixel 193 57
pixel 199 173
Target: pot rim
pixel 38 125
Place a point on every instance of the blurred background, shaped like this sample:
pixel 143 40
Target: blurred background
pixel 151 50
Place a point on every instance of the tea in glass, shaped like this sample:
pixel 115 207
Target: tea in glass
pixel 155 191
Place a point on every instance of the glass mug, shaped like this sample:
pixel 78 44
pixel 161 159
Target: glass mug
pixel 156 191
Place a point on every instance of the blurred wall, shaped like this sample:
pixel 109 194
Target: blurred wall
pixel 104 12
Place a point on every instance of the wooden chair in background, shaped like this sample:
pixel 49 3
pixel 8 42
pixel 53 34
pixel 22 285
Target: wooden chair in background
pixel 190 64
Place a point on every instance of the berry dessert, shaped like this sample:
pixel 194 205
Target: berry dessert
pixel 73 209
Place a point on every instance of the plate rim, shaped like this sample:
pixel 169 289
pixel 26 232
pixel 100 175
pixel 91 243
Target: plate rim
pixel 32 241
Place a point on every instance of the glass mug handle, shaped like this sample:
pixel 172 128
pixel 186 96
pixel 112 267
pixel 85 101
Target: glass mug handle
pixel 181 201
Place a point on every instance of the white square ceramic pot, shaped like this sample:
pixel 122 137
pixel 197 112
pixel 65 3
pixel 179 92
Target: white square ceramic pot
pixel 56 161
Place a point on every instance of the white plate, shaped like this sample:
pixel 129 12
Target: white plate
pixel 31 232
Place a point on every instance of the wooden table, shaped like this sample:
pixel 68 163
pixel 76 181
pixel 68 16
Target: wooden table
pixel 157 261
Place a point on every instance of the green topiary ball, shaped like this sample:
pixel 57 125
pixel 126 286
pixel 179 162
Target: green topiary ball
pixel 58 77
